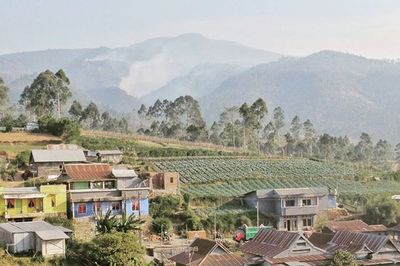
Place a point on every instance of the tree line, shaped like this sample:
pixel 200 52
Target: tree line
pixel 247 126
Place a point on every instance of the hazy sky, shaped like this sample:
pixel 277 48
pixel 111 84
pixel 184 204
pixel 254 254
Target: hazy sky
pixel 297 27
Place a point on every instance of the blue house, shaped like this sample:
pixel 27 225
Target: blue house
pixel 93 189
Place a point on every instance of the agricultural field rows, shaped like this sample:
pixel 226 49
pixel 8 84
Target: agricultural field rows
pixel 221 169
pixel 234 177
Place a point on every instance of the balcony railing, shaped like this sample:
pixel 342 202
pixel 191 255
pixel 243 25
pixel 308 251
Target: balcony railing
pixel 299 210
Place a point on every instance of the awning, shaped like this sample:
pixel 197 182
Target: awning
pixel 23 196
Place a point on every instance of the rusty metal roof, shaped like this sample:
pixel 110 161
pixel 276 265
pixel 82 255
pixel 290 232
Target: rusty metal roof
pixel 354 242
pixel 203 256
pixel 354 226
pixel 320 239
pixel 269 243
pixel 88 171
pixel 305 258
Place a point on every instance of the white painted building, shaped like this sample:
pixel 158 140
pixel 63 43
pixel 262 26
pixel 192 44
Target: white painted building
pixel 38 236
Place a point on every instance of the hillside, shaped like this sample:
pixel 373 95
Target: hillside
pixel 340 93
pixel 111 76
pixel 234 177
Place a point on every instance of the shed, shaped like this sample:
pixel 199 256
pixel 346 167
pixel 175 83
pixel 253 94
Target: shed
pixel 38 236
pixel 110 156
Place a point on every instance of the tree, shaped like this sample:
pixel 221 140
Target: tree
pixel 364 148
pixel 382 210
pixel 295 128
pixel 47 93
pixel 115 249
pixel 381 151
pixel 91 115
pixel 75 110
pixel 215 133
pixel 279 119
pixel 161 225
pixel 397 152
pixel 342 258
pixel 309 136
pixel 3 94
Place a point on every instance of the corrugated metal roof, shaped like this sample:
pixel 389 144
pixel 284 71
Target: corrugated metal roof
pixel 109 152
pixel 43 229
pixel 354 226
pixel 51 234
pixel 204 256
pixel 300 259
pixel 287 192
pixel 270 243
pixel 320 239
pixel 88 171
pixel 354 242
pixel 45 156
pixel 124 173
pixel 63 147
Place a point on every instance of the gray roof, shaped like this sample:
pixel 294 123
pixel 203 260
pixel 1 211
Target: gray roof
pixel 109 152
pixel 20 190
pixel 44 156
pixel 124 173
pixel 287 192
pixel 51 234
pixel 44 230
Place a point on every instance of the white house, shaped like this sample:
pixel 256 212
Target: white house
pixel 38 236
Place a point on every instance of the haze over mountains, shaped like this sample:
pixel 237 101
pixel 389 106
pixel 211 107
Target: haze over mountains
pixel 341 93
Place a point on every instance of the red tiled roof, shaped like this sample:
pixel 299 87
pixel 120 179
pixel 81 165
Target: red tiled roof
pixel 204 256
pixel 88 171
pixel 354 226
pixel 270 243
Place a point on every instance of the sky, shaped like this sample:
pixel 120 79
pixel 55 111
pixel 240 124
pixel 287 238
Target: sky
pixel 297 27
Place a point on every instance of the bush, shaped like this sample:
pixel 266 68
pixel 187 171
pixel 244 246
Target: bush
pixel 118 249
pixel 165 206
pixel 243 220
pixel 161 224
pixel 58 220
pixel 65 128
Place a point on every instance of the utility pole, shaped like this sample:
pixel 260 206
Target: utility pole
pixel 258 212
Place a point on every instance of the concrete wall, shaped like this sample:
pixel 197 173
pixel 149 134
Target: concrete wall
pixel 59 194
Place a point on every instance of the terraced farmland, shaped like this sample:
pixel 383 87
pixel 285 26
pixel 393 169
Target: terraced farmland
pixel 230 177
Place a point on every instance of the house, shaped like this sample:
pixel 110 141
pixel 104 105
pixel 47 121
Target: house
pixel 31 126
pixel 109 156
pixel 354 226
pixel 164 182
pixel 93 189
pixel 39 236
pixel 31 203
pixel 294 209
pixel 369 249
pixel 204 252
pixel 50 162
pixel 272 247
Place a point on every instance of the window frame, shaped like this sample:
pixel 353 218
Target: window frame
pixel 12 202
pixel 79 208
pixel 31 202
pixel 290 200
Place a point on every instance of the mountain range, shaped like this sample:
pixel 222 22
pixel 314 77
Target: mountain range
pixel 341 93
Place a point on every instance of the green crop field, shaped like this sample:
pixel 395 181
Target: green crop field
pixel 232 177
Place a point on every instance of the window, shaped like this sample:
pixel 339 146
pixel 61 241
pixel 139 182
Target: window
pixel 306 202
pixel 97 185
pixel 10 203
pixel 53 200
pixel 97 207
pixel 307 222
pixel 109 184
pixel 171 180
pixel 31 203
pixel 115 206
pixel 135 204
pixel 290 203
pixel 82 208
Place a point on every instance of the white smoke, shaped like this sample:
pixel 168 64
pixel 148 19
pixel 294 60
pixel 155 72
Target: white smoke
pixel 147 76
